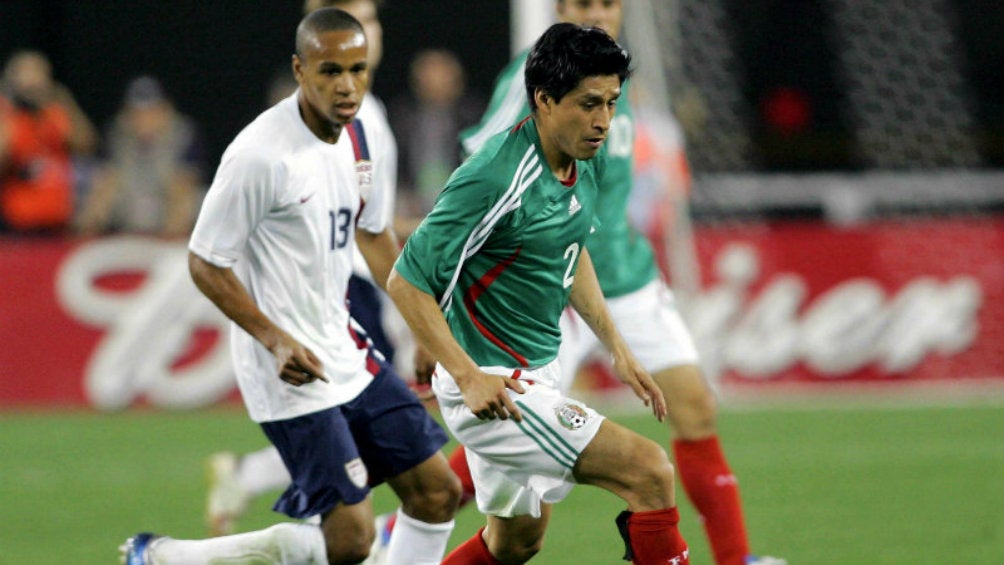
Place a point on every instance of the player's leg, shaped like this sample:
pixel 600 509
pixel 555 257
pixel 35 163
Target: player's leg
pixel 330 480
pixel 658 336
pixel 235 480
pixel 702 466
pixel 287 543
pixel 637 470
pixel 509 541
pixel 410 463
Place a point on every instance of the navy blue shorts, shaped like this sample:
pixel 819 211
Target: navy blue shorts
pixel 337 454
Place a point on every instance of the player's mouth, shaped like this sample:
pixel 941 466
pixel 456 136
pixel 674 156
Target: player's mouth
pixel 595 142
pixel 346 110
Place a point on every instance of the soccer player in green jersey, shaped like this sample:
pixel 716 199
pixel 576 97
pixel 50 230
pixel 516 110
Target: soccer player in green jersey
pixel 483 281
pixel 642 306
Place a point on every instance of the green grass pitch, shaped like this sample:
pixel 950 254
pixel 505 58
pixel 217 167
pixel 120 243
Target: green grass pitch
pixel 871 485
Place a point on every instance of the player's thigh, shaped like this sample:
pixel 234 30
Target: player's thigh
pixel 653 328
pixel 629 465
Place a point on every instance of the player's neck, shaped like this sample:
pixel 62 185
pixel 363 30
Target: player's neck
pixel 325 130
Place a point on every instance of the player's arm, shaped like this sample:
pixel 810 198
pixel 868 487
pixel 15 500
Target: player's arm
pixel 587 299
pixel 297 364
pixel 484 394
pixel 380 250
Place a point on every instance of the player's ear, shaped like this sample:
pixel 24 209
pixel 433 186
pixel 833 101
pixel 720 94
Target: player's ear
pixel 297 68
pixel 541 98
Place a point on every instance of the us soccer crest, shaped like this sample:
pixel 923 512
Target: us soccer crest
pixel 356 472
pixel 571 416
pixel 364 170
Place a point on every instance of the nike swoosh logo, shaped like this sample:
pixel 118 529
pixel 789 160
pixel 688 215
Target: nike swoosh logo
pixel 306 198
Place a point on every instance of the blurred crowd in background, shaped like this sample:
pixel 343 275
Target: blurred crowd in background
pixel 762 88
pixel 146 171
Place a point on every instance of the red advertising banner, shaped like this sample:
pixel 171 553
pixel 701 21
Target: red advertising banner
pixel 908 300
pixel 115 321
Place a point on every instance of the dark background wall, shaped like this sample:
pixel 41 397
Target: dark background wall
pixel 216 58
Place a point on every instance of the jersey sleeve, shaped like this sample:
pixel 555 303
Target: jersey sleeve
pixel 455 229
pixel 242 193
pixel 506 107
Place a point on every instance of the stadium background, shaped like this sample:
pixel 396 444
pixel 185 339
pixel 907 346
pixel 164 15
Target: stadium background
pixel 838 249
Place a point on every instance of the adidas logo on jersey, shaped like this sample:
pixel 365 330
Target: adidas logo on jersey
pixel 574 206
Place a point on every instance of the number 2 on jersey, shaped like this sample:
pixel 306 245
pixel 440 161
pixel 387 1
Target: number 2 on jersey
pixel 571 253
pixel 339 227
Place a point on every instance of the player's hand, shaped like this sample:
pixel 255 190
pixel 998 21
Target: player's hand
pixel 631 373
pixel 487 397
pixel 297 364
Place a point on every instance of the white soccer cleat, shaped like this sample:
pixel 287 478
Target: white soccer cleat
pixel 227 500
pixel 136 550
pixel 765 560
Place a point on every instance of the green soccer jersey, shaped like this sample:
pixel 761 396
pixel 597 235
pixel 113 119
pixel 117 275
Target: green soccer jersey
pixel 500 248
pixel 622 256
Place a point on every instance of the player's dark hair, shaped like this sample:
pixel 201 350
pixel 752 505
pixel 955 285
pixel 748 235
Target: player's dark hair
pixel 323 21
pixel 568 53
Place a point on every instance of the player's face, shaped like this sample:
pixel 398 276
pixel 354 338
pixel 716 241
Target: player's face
pixel 604 14
pixel 578 125
pixel 333 76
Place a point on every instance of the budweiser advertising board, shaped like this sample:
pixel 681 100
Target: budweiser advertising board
pixel 115 321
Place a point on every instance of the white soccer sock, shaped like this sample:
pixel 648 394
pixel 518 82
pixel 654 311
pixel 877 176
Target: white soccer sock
pixel 262 471
pixel 282 544
pixel 417 543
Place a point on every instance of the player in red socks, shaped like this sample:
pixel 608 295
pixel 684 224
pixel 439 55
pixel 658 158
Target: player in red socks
pixel 482 283
pixel 641 304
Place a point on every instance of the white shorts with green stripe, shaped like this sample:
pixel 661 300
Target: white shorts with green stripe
pixel 516 466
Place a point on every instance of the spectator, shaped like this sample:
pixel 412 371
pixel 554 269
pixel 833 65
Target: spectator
pixel 426 122
pixel 150 179
pixel 41 129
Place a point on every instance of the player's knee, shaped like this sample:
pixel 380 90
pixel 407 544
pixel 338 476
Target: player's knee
pixel 697 420
pixel 436 501
pixel 654 479
pixel 349 541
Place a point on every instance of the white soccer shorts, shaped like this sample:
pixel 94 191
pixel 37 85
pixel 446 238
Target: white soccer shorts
pixel 516 466
pixel 650 323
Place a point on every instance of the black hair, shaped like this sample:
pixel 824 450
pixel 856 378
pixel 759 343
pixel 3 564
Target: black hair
pixel 321 21
pixel 568 53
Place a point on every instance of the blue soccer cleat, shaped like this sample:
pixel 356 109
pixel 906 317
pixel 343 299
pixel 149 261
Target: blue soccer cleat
pixel 135 550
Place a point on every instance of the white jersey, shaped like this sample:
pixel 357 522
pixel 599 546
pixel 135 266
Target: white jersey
pixel 282 212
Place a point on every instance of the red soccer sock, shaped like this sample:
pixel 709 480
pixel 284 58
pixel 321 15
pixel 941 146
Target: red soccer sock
pixel 713 489
pixel 655 538
pixel 458 462
pixel 472 552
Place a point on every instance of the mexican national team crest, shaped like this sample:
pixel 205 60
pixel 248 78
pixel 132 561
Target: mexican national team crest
pixel 357 473
pixel 571 415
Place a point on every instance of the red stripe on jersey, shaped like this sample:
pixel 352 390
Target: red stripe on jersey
pixel 472 295
pixel 372 365
pixel 516 127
